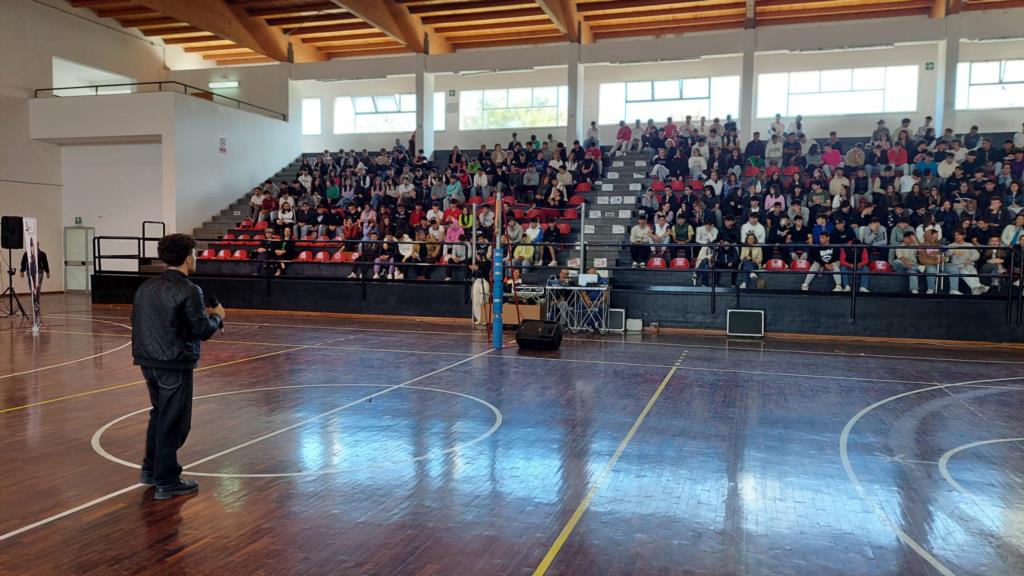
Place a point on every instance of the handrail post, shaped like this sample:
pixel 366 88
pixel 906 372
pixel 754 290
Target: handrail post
pixel 854 286
pixel 1009 289
pixel 583 245
pixel 714 278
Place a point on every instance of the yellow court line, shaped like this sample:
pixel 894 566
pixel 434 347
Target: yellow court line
pixel 71 396
pixel 542 568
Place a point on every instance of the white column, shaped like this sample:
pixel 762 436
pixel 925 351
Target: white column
pixel 575 130
pixel 424 107
pixel 747 104
pixel 947 57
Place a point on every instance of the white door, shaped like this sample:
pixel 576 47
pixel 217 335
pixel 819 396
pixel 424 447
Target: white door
pixel 78 265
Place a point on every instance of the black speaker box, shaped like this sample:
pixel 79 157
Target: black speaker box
pixel 12 233
pixel 539 335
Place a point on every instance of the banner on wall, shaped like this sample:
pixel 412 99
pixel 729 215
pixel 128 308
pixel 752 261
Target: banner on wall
pixel 31 239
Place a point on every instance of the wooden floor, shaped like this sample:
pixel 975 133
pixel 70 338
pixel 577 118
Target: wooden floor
pixel 339 446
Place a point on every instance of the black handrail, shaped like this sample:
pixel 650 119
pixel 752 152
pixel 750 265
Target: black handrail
pixel 160 88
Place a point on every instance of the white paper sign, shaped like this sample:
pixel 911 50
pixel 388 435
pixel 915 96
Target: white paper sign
pixel 609 214
pixel 615 200
pixel 602 199
pixel 612 175
pixel 606 187
pixel 573 262
pixel 641 163
pixel 618 164
pixel 636 187
pixel 600 262
pixel 629 199
pixel 588 229
pixel 625 213
pixel 618 229
pixel 595 214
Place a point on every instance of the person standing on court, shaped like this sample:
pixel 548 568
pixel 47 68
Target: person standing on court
pixel 169 320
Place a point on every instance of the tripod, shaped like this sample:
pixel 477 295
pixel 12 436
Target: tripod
pixel 9 293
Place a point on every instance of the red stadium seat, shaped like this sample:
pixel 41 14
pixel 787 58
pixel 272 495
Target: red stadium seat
pixel 570 214
pixel 800 265
pixel 791 171
pixel 349 256
pixel 564 228
pixel 535 213
pixel 243 237
pixel 323 256
pixel 476 200
pixel 576 200
pixel 240 255
pixel 259 237
pixel 305 256
pixel 228 236
pixel 680 264
pixel 224 255
pixel 880 267
pixel 677 185
pixel 750 171
pixel 772 170
pixel 776 264
pixel 583 187
pixel 656 263
pixel 550 213
pixel 208 254
pixel 262 225
pixel 658 186
pixel 697 185
pixel 518 213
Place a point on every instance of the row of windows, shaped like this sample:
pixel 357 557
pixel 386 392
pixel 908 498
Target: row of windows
pixel 880 89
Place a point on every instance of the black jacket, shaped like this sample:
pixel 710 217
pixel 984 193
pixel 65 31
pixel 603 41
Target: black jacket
pixel 168 321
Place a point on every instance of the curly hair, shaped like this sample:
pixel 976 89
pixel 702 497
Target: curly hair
pixel 174 249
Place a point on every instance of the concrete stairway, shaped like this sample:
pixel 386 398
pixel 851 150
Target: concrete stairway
pixel 612 207
pixel 230 217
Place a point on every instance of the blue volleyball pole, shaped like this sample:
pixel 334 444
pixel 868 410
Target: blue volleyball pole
pixel 497 283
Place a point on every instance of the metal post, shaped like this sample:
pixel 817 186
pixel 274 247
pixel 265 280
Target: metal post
pixel 469 277
pixel 714 278
pixel 497 284
pixel 1009 290
pixel 583 222
pixel 853 288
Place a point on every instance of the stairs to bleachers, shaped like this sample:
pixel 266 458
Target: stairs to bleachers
pixel 229 218
pixel 612 207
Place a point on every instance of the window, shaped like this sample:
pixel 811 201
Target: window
pixel 659 99
pixel 311 125
pixel 987 85
pixel 837 92
pixel 381 114
pixel 514 108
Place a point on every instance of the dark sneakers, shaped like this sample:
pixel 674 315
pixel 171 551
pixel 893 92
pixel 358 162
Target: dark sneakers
pixel 180 488
pixel 146 478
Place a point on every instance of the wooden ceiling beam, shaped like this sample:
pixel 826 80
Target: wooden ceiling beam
pixel 541 27
pixel 215 44
pixel 321 18
pixel 273 12
pixel 550 36
pixel 521 41
pixel 334 45
pixel 636 5
pixel 123 11
pixel 534 13
pixel 232 22
pixel 240 61
pixel 95 3
pixel 840 16
pixel 193 39
pixel 565 17
pixel 142 23
pixel 312 31
pixel 457 7
pixel 736 8
pixel 395 20
pixel 372 52
pixel 170 30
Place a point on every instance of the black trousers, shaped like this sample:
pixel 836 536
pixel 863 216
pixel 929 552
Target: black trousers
pixel 170 420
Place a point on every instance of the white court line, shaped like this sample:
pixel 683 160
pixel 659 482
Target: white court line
pixel 703 369
pixel 844 456
pixel 81 507
pixel 498 419
pixel 944 464
pixel 111 351
pixel 799 351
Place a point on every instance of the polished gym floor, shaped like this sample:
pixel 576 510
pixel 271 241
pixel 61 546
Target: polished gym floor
pixel 357 446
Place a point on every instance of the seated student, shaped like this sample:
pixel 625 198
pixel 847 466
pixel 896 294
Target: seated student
pixel 640 242
pixel 851 259
pixel 523 254
pixel 272 254
pixel 824 256
pixel 962 259
pixel 551 238
pixel 456 254
pixel 905 259
pixel 750 259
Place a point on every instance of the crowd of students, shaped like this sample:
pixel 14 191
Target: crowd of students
pixel 927 205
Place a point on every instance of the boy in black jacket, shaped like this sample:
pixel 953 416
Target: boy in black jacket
pixel 825 256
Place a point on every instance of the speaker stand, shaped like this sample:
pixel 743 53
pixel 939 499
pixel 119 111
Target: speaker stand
pixel 10 294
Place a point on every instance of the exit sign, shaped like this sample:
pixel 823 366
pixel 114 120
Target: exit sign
pixel 929 65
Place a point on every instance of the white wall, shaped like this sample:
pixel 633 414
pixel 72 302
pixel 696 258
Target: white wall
pixel 196 180
pixel 264 85
pixel 206 181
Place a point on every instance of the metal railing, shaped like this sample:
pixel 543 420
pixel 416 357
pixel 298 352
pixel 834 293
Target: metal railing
pixel 707 267
pixel 161 86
